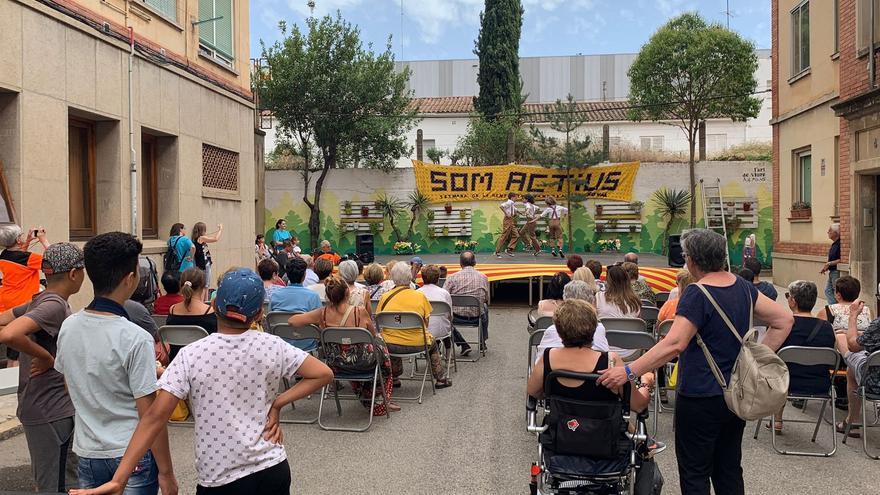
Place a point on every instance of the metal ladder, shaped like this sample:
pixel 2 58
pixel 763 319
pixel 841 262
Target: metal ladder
pixel 713 212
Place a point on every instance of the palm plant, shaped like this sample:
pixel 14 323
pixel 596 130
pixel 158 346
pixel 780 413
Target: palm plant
pixel 671 204
pixel 390 208
pixel 417 203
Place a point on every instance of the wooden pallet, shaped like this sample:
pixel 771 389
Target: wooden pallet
pixel 354 221
pixel 453 224
pixel 618 217
pixel 733 208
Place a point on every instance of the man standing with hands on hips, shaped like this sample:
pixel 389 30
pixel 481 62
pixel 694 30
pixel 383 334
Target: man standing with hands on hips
pixel 833 260
pixel 509 234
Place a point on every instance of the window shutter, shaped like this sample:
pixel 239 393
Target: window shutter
pixel 223 28
pixel 206 29
pixel 168 8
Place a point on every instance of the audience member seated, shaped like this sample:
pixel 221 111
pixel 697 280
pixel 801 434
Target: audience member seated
pixel 360 277
pixel 323 269
pixel 846 290
pixel 327 254
pixel 404 299
pixel 585 275
pixel 268 270
pixel 596 268
pixel 439 325
pixel 860 345
pixel 415 266
pixel 350 358
pixel 374 276
pixel 574 262
pixel 631 257
pixel 469 282
pixel 639 285
pixel 618 301
pixel 358 296
pixel 577 321
pixel 807 331
pixel 294 298
pixel 581 291
pixel 284 256
pixel 171 284
pixel 682 279
pixel 193 310
pixel 311 276
pixel 553 294
pixel 763 287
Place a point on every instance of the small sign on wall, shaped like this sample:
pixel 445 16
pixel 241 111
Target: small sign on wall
pixel 868 218
pixel 822 167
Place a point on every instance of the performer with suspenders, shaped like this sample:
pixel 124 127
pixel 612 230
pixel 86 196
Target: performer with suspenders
pixel 555 214
pixel 527 234
pixel 509 235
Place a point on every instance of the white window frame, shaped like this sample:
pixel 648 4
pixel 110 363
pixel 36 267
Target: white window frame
pixel 208 48
pixel 798 64
pixel 655 143
pixel 799 189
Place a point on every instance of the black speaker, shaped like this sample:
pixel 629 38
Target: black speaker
pixel 364 247
pixel 676 256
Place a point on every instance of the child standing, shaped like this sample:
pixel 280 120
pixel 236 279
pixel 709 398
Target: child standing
pixel 528 231
pixel 509 235
pixel 232 378
pixel 555 213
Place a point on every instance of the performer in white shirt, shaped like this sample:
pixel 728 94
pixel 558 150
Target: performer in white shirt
pixel 509 235
pixel 555 213
pixel 527 233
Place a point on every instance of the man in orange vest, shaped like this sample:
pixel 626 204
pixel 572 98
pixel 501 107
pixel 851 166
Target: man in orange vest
pixel 328 253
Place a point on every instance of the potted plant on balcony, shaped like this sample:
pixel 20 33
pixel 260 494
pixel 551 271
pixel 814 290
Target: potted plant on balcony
pixel 801 210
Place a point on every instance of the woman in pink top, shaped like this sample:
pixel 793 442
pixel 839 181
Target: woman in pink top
pixel 553 294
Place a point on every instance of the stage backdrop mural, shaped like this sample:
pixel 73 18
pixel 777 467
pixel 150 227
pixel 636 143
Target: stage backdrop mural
pixel 349 207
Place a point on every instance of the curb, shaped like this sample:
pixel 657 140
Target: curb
pixel 10 429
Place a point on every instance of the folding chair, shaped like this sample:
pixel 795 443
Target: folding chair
pixel 809 356
pixel 441 282
pixel 661 298
pixel 639 341
pixel 661 330
pixel 352 336
pixel 309 333
pixel 274 318
pixel 181 336
pixel 534 341
pixel 374 304
pixel 472 302
pixel 872 361
pixel 440 308
pixel 412 322
pixel 648 302
pixel 625 324
pixel 649 313
pixel 543 323
pixel 160 320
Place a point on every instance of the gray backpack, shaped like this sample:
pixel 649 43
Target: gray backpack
pixel 759 381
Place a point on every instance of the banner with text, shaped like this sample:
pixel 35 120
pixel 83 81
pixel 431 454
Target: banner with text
pixel 441 183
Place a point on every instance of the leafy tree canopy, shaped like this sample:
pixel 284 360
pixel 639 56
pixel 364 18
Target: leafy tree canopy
pixel 497 47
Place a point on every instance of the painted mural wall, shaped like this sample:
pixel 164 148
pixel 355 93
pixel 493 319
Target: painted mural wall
pixel 284 192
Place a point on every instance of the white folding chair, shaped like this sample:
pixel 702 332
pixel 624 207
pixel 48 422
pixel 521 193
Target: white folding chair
pixel 410 322
pixel 809 356
pixel 460 301
pixel 639 341
pixel 625 324
pixel 648 302
pixel 543 323
pixel 310 335
pixel 873 361
pixel 534 341
pixel 661 298
pixel 160 320
pixel 181 336
pixel 274 318
pixel 352 336
pixel 649 313
pixel 440 308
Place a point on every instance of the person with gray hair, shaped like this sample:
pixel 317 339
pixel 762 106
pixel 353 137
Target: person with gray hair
pixel 708 436
pixel 357 294
pixel 631 258
pixel 311 276
pixel 833 260
pixel 21 270
pixel 576 289
pixel 402 298
pixel 328 253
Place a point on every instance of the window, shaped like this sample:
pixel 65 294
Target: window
pixel 168 8
pixel 81 179
pixel 428 144
pixel 836 17
pixel 803 176
pixel 716 142
pixel 863 14
pixel 216 35
pixel 149 188
pixel 219 168
pixel 651 143
pixel 800 38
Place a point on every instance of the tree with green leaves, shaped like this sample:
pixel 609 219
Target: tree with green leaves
pixel 570 149
pixel 690 71
pixel 671 204
pixel 497 47
pixel 343 104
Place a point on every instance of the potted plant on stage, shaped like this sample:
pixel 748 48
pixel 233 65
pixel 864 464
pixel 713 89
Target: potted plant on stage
pixel 801 210
pixel 612 245
pixel 445 231
pixel 430 215
pixel 346 207
pixel 365 211
pixel 747 206
pixel 448 208
pixel 404 247
pixel 633 228
pixel 600 227
pixel 462 214
pixel 598 209
pixel 637 207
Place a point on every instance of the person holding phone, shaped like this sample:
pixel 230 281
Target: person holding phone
pixel 20 269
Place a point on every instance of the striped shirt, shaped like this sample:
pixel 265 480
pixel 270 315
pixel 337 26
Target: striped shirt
pixel 468 282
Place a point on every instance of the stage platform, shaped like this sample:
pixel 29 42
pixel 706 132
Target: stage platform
pixel 526 267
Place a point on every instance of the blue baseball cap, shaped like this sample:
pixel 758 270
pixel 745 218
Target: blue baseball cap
pixel 416 261
pixel 240 295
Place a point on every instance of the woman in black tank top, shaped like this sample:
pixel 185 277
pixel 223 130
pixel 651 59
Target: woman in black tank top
pixel 576 322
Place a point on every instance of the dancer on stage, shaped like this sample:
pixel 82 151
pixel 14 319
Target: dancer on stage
pixel 509 235
pixel 555 214
pixel 527 234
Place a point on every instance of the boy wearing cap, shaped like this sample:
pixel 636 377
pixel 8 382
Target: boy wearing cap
pixel 44 407
pixel 232 378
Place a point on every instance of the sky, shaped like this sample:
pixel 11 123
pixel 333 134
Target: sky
pixel 446 29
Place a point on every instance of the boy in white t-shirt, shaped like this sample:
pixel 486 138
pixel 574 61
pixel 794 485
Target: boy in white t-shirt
pixel 232 378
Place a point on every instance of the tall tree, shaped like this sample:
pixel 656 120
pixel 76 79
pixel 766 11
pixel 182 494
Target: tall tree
pixel 690 71
pixel 497 47
pixel 568 150
pixel 343 103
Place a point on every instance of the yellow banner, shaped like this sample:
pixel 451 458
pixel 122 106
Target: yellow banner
pixel 441 183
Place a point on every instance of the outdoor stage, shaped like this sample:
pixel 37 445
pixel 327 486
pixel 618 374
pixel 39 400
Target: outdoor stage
pixel 527 268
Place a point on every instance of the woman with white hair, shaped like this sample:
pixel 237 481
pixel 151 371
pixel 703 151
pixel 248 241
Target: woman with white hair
pixel 357 296
pixel 402 298
pixel 581 290
pixel 20 269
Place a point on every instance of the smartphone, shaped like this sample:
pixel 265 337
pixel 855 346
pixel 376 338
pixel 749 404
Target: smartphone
pixel 36 232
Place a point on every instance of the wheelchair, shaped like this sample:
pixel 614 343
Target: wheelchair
pixel 603 458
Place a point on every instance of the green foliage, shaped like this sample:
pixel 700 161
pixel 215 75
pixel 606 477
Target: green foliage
pixel 417 203
pixel 435 154
pixel 486 142
pixel 391 208
pixel 690 71
pixel 747 152
pixel 671 205
pixel 331 97
pixel 497 47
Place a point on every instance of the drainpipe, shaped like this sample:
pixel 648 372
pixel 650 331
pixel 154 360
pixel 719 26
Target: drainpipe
pixel 871 62
pixel 133 164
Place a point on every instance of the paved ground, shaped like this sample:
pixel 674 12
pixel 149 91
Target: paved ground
pixel 471 439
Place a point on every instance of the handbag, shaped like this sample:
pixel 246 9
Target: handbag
pixel 758 384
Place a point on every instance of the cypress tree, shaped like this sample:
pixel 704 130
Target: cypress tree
pixel 497 47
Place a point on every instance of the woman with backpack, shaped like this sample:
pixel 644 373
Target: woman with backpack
pixel 201 239
pixel 708 435
pixel 179 256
